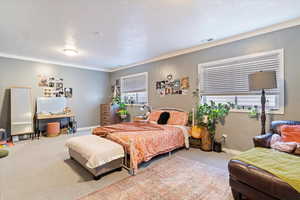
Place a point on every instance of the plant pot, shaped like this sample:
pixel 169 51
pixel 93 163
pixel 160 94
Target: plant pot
pixel 123 116
pixel 198 131
pixel 217 147
pixel 206 141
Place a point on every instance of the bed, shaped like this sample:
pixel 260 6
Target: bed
pixel 144 140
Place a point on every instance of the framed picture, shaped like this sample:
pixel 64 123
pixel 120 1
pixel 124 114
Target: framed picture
pixel 176 84
pixel 163 84
pixel 43 81
pixel 68 92
pixel 185 83
pixel 158 85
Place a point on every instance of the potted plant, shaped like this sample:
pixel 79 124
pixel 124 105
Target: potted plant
pixel 122 112
pixel 207 116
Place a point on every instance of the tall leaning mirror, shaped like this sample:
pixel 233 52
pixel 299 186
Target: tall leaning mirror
pixel 21 111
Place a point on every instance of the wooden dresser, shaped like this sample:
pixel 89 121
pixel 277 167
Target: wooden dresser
pixel 108 114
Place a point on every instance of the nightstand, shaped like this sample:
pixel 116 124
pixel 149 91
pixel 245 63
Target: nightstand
pixel 139 118
pixel 195 143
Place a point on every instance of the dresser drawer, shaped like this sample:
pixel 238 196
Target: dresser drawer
pixel 105 123
pixel 105 113
pixel 105 107
pixel 105 117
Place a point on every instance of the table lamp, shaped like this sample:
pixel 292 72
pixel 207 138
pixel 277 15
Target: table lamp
pixel 260 81
pixel 149 109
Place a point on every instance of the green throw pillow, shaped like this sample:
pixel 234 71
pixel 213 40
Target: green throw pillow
pixel 3 153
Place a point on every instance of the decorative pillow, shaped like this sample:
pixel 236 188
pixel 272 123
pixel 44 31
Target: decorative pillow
pixel 275 138
pixel 290 133
pixel 163 118
pixel 287 147
pixel 178 118
pixel 154 115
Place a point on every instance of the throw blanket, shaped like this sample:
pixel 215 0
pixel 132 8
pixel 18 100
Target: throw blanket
pixel 144 145
pixel 284 166
pixel 143 141
pixel 125 127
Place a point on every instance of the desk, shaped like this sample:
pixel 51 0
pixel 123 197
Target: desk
pixel 40 117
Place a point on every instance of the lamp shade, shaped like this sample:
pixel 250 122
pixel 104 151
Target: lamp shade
pixel 262 80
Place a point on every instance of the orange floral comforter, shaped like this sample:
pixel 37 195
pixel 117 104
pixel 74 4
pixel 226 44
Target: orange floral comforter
pixel 143 141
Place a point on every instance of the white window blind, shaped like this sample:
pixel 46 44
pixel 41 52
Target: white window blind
pixel 226 80
pixel 134 88
pixel 134 83
pixel 230 76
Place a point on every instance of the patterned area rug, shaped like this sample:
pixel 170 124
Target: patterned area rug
pixel 175 178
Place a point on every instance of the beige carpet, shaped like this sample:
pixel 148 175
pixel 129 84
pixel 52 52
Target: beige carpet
pixel 176 178
pixel 41 170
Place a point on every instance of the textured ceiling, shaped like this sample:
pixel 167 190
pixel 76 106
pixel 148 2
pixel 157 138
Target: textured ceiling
pixel 113 33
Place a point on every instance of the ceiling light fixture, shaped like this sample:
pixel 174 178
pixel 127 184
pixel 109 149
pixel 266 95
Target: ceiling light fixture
pixel 70 52
pixel 207 40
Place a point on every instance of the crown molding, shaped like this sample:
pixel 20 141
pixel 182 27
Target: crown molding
pixel 261 31
pixel 52 62
pixel 272 28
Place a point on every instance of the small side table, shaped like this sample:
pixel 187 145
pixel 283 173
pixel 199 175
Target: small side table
pixel 195 143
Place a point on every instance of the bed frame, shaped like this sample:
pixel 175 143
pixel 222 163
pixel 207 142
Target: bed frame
pixel 127 164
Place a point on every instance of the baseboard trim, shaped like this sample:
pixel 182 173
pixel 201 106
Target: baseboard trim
pixel 87 128
pixel 232 151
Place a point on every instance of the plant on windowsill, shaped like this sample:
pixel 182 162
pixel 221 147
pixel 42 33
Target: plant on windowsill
pixel 116 100
pixel 123 112
pixel 207 116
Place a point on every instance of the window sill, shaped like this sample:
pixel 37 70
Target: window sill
pixel 137 105
pixel 275 112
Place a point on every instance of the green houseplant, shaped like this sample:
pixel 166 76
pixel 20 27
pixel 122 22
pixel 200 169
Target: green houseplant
pixel 123 112
pixel 208 115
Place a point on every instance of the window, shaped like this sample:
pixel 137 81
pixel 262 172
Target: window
pixel 227 81
pixel 134 88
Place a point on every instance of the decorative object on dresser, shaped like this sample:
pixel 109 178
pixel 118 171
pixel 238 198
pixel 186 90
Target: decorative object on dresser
pixel 260 81
pixel 108 114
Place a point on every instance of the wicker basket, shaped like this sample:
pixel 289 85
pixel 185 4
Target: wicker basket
pixel 53 129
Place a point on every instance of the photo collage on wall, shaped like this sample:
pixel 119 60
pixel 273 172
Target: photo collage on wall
pixel 173 87
pixel 54 87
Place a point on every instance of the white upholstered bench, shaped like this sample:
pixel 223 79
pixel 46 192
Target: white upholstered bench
pixel 96 154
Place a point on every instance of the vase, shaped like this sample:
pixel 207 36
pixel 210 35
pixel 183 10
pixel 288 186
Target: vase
pixel 123 117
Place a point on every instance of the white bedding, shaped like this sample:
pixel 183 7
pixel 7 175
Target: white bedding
pixel 96 150
pixel 185 130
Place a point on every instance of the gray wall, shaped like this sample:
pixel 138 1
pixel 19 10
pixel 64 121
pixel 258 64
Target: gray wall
pixel 239 127
pixel 90 88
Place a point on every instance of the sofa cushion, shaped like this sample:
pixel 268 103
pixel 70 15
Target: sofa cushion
pixel 290 133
